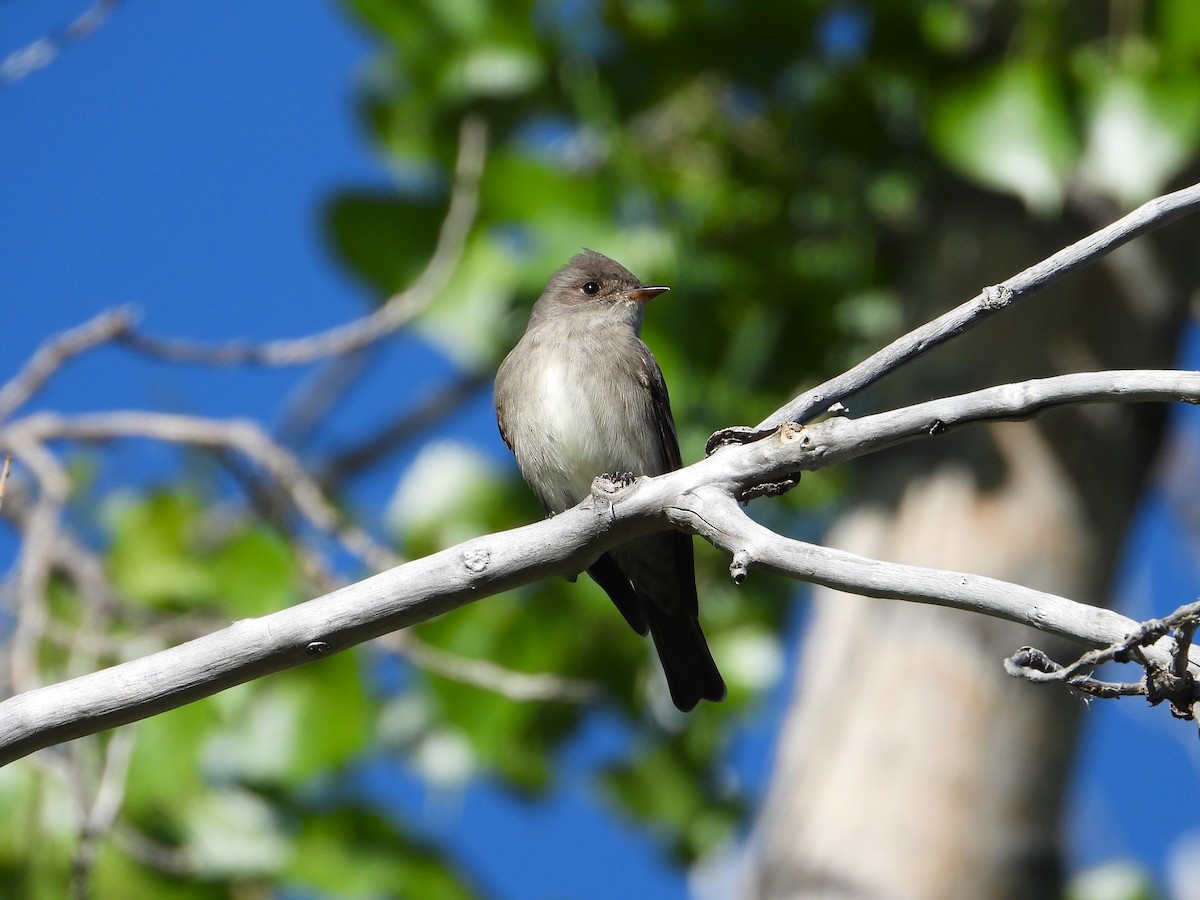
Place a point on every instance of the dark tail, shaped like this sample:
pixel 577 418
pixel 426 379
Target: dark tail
pixel 652 582
pixel 691 673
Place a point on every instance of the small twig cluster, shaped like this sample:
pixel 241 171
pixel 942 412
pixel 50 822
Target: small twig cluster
pixel 1173 681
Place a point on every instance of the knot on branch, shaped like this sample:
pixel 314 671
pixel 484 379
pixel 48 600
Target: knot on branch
pixel 1179 690
pixel 613 482
pixel 477 560
pixel 1166 677
pixel 996 296
pixel 787 433
pixel 739 567
pixel 318 649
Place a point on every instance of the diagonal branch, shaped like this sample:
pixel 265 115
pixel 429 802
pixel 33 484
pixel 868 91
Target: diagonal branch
pixel 718 518
pixel 52 355
pixel 251 648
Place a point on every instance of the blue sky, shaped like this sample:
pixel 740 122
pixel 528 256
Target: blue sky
pixel 178 161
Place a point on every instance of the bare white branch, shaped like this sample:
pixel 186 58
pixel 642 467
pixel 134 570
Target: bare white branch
pixel 698 497
pixel 52 355
pixel 717 517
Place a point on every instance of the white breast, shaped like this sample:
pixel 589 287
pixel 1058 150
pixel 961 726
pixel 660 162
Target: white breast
pixel 575 447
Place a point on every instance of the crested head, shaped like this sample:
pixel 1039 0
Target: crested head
pixel 593 281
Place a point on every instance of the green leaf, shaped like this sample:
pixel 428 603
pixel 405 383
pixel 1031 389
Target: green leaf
pixel 167 750
pixel 152 560
pixel 234 833
pixel 1009 129
pixel 444 495
pixel 493 70
pixel 1155 122
pixel 280 732
pixel 384 240
pixel 1178 29
pixel 42 829
pixel 254 573
pixel 1111 881
pixel 118 877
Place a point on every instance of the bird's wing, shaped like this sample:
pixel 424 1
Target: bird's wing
pixel 606 573
pixel 677 544
pixel 500 422
pixel 651 377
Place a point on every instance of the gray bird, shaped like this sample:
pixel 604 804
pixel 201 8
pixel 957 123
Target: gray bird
pixel 582 396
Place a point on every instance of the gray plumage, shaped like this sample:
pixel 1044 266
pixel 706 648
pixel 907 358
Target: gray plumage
pixel 582 396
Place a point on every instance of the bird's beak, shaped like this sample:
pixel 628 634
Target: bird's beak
pixel 646 294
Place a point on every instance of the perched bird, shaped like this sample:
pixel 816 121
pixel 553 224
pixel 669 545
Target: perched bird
pixel 582 396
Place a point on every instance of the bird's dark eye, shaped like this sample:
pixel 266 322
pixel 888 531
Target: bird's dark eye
pixel 592 287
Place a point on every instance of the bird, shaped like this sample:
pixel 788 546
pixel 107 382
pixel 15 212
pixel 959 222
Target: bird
pixel 580 396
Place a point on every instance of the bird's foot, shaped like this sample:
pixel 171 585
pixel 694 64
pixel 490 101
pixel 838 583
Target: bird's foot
pixel 605 486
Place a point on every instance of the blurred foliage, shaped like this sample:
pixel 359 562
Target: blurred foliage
pixel 219 800
pixel 1113 881
pixel 756 157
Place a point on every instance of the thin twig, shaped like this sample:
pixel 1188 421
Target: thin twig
pixel 98 818
pixel 797 449
pixel 1184 635
pixel 242 436
pixel 1172 681
pixel 1034 665
pixel 399 309
pixel 46 50
pixel 52 355
pixel 431 410
pixel 37 554
pixel 523 687
pixel 4 473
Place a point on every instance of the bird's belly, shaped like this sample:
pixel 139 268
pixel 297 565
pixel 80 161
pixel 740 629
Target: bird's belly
pixel 587 432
